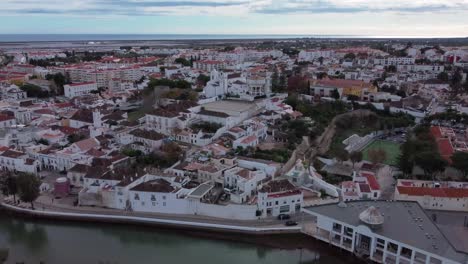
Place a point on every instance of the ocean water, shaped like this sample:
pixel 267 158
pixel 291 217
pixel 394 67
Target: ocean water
pixel 133 37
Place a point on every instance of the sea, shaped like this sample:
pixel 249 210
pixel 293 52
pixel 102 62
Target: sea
pixel 155 37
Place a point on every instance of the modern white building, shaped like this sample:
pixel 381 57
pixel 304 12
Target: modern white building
pixel 383 231
pixel 79 89
pixel 394 61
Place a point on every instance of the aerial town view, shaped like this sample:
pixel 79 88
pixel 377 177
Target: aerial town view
pixel 233 132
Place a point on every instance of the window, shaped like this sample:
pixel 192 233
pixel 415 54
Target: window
pixel 276 203
pixel 153 198
pixel 284 209
pixel 154 204
pixel 164 197
pixel 137 197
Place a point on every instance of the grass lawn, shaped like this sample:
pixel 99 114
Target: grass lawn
pixel 392 149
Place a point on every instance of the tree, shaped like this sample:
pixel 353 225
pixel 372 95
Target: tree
pixel 405 159
pixel 460 162
pixel 43 141
pixel 28 187
pixel 355 156
pixel 203 79
pixel 342 155
pixel 377 156
pixel 456 78
pixel 391 68
pixel 9 185
pixel 350 56
pixel 34 91
pixel 443 76
pixel 431 163
pixel 353 97
pixel 321 75
pixel 183 61
pixel 320 59
pixel 335 94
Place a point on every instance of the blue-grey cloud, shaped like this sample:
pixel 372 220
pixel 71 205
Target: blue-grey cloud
pixel 115 7
pixel 180 7
pixel 120 3
pixel 321 7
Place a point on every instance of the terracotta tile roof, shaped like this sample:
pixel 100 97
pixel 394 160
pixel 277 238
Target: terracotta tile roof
pixel 83 115
pixel 434 192
pixel 147 134
pixel 278 186
pixel 86 144
pixel 246 174
pixel 364 187
pixel 436 132
pixel 12 154
pixel 158 185
pixel 95 153
pixel 6 118
pixel 341 83
pixel 3 148
pixel 80 168
pixel 173 110
pixel 372 181
pixel 249 139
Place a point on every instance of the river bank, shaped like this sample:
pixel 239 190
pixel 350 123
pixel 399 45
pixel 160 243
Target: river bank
pixel 267 248
pixel 188 224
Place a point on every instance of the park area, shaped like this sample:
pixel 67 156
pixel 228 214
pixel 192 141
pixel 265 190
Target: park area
pixel 392 150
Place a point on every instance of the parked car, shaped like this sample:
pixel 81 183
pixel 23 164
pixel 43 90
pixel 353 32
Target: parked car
pixel 290 223
pixel 284 216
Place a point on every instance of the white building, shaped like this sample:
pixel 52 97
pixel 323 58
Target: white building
pixel 7 121
pixel 310 55
pixel 386 232
pixel 448 196
pixel 79 89
pixel 394 61
pixel 209 65
pixel 279 197
pixel 242 183
pixel 11 160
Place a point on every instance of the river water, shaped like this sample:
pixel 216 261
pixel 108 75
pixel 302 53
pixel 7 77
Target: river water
pixel 49 242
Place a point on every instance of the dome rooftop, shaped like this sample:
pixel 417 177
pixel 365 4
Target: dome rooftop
pixel 371 216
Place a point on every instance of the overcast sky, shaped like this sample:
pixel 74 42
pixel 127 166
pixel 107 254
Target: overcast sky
pixel 343 17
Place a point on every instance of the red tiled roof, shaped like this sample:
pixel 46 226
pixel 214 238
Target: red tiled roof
pixel 78 84
pixel 436 132
pixel 283 194
pixel 249 139
pixel 434 192
pixel 445 148
pixel 443 144
pixel 372 181
pixel 364 188
pixel 5 118
pixel 3 148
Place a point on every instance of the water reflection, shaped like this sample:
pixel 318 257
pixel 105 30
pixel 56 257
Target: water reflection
pixel 32 236
pixel 33 242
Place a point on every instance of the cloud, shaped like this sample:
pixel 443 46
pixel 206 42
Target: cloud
pixel 114 7
pixel 359 6
pixel 226 7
